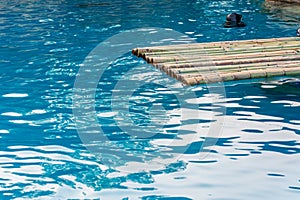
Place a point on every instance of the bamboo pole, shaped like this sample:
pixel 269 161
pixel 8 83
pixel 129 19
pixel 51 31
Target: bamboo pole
pixel 194 66
pixel 139 51
pixel 234 62
pixel 234 67
pixel 170 50
pixel 200 79
pixel 158 58
pixel 231 70
pixel 222 50
pixel 187 58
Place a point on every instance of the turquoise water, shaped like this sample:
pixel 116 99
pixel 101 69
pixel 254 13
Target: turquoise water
pixel 239 140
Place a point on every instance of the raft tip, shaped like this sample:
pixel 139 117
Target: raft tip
pixel 134 51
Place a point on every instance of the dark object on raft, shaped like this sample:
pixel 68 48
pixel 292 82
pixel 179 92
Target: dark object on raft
pixel 234 20
pixel 298 32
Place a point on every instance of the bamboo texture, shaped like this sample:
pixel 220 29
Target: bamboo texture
pixel 199 63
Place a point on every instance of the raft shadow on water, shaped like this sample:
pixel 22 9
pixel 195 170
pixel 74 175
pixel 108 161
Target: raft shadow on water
pixel 288 86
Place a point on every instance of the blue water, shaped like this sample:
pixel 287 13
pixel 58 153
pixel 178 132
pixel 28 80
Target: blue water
pixel 160 140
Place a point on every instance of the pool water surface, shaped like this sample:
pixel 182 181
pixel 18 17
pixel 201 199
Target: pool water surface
pixel 159 139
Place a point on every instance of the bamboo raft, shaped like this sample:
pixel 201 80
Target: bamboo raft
pixel 199 63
